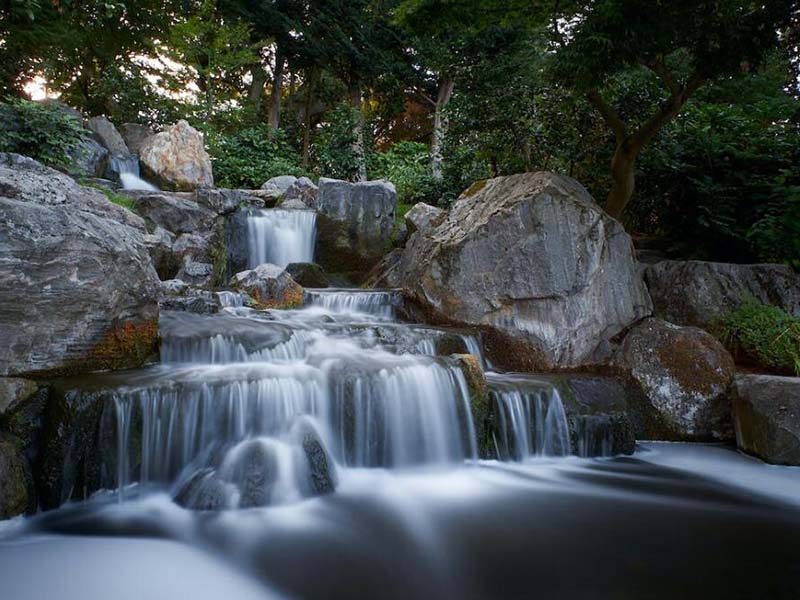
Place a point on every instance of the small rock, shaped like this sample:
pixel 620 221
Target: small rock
pixel 196 273
pixel 269 286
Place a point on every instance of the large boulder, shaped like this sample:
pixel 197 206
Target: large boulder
pixel 309 275
pixel 78 291
pixel 176 159
pixel 302 190
pixel 684 378
pixel 177 213
pixel 696 292
pixel 422 216
pixel 354 225
pixel 105 133
pixel 281 183
pixel 135 135
pixel 89 158
pixel 766 412
pixel 269 286
pixel 533 260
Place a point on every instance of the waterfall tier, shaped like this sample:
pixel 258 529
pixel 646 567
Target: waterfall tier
pixel 281 237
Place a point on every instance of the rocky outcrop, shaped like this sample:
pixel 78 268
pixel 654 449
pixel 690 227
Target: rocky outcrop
pixel 309 275
pixel 176 159
pixel 16 482
pixel 199 274
pixel 135 135
pixel 766 412
pixel 684 378
pixel 533 260
pixel 77 285
pixel 422 216
pixel 696 292
pixel 177 295
pixel 354 224
pixel 89 159
pixel 269 286
pixel 177 213
pixel 105 133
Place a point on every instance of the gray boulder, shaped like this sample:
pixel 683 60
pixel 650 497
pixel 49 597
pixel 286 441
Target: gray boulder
pixel 269 286
pixel 198 274
pixel 90 158
pixel 293 204
pixel 354 225
pixel 135 135
pixel 159 246
pixel 421 216
pixel 78 290
pixel 178 295
pixel 302 190
pixel 177 213
pixel 535 262
pixel 684 378
pixel 766 412
pixel 281 183
pixel 696 292
pixel 221 201
pixel 105 133
pixel 265 198
pixel 309 275
pixel 176 159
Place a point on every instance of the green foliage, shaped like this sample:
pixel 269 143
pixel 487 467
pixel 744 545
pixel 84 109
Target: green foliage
pixel 407 166
pixel 248 157
pixel 39 131
pixel 767 335
pixel 333 145
pixel 122 201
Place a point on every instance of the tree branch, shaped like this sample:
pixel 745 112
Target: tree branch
pixel 610 116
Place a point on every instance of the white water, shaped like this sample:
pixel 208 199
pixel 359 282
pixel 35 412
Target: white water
pixel 129 175
pixel 281 237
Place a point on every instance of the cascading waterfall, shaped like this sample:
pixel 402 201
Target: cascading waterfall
pixel 379 304
pixel 281 236
pixel 129 175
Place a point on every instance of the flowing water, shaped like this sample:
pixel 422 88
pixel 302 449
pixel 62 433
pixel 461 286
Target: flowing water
pixel 332 452
pixel 281 237
pixel 127 169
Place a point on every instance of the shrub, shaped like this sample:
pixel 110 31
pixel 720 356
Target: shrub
pixel 250 156
pixel 42 132
pixel 333 145
pixel 407 166
pixel 765 335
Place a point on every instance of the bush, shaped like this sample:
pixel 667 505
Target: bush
pixel 41 132
pixel 249 157
pixel 765 335
pixel 407 166
pixel 333 145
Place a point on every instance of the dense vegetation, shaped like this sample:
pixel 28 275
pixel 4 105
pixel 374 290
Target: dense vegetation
pixel 681 115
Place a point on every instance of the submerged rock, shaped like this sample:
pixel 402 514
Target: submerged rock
pixel 534 260
pixel 269 286
pixel 176 159
pixel 684 375
pixel 766 413
pixel 697 293
pixel 78 289
pixel 354 225
pixel 321 467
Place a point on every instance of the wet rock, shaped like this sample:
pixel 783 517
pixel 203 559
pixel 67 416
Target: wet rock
pixel 105 133
pixel 78 288
pixel 14 391
pixel 204 491
pixel 135 135
pixel 684 376
pixel 198 274
pixel 480 403
pixel 22 403
pixel 303 191
pixel 176 159
pixel 159 246
pixel 387 273
pixel 236 236
pixel 16 484
pixel 308 275
pixel 766 412
pixel 177 213
pixel 90 158
pixel 269 286
pixel 422 216
pixel 536 262
pixel 253 467
pixel 321 467
pixel 354 225
pixel 697 293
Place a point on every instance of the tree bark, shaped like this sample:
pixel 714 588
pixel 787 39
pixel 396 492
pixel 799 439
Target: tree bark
pixel 277 89
pixel 623 180
pixel 440 124
pixel 359 149
pixel 259 76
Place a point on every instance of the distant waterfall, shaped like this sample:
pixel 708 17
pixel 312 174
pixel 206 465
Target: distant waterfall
pixel 128 169
pixel 281 237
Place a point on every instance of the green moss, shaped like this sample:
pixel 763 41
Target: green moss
pixel 122 201
pixel 219 257
pixel 475 188
pixel 479 401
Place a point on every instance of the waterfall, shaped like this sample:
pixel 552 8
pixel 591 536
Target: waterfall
pixel 281 237
pixel 377 303
pixel 230 299
pixel 529 421
pixel 127 169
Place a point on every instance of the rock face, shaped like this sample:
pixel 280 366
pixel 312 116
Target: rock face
pixel 302 190
pixel 78 290
pixel 90 159
pixel 176 294
pixel 105 133
pixel 354 225
pixel 422 216
pixel 309 275
pixel 177 213
pixel 684 376
pixel 135 135
pixel 269 286
pixel 16 483
pixel 535 261
pixel 766 413
pixel 696 293
pixel 281 183
pixel 176 159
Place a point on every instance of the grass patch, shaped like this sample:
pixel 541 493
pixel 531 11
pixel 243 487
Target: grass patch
pixel 764 335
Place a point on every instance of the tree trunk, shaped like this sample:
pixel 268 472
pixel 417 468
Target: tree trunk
pixel 623 179
pixel 309 99
pixel 440 123
pixel 256 86
pixel 359 149
pixel 277 89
